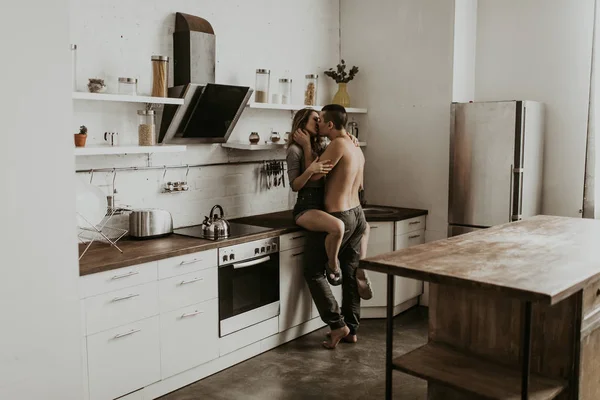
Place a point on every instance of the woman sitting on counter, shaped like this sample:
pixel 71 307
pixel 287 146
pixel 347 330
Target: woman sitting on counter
pixel 304 148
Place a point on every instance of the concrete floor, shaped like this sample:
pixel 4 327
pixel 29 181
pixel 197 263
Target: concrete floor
pixel 303 370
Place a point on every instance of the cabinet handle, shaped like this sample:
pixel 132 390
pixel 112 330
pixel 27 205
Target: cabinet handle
pixel 191 281
pixel 189 262
pixel 298 237
pixel 297 254
pixel 192 314
pixel 414 223
pixel 130 273
pixel 131 332
pixel 414 236
pixel 374 226
pixel 131 296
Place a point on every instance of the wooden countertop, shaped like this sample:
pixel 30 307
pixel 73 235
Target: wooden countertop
pixel 543 258
pixel 101 257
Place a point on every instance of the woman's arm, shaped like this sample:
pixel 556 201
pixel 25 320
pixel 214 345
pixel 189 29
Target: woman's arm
pixel 298 178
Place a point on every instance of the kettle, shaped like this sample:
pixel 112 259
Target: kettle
pixel 353 128
pixel 215 227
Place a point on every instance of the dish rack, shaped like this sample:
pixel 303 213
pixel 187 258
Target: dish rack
pixel 101 233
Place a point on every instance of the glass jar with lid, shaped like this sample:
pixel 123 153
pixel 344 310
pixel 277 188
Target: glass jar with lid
pixel 160 71
pixel 146 128
pixel 128 86
pixel 285 89
pixel 310 90
pixel 261 87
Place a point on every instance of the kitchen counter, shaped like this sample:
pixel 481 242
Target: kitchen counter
pixel 101 257
pixel 527 290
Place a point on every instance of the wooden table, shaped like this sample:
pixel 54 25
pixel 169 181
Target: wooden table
pixel 514 311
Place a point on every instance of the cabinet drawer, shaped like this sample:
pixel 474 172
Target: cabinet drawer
pixel 183 290
pixel 591 299
pixel 116 279
pixel 120 307
pixel 410 239
pixel 410 225
pixel 189 337
pixel 124 359
pixel 292 240
pixel 187 263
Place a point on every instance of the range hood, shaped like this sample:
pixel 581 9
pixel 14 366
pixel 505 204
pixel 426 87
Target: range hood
pixel 210 111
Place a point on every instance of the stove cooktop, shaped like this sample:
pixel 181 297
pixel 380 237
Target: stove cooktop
pixel 235 231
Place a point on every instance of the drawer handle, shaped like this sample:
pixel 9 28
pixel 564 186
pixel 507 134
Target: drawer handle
pixel 130 273
pixel 414 236
pixel 131 296
pixel 414 223
pixel 374 226
pixel 192 314
pixel 298 237
pixel 189 262
pixel 131 332
pixel 297 254
pixel 191 281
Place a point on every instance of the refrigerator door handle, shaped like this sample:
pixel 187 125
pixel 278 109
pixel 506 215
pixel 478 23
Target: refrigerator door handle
pixel 510 203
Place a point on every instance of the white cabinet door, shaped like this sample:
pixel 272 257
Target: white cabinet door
pixel 381 240
pixel 189 337
pixel 405 288
pixel 295 298
pixel 123 359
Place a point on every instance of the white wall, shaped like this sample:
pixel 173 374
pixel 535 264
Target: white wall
pixel 40 337
pixel 541 50
pixel 465 40
pixel 116 38
pixel 405 53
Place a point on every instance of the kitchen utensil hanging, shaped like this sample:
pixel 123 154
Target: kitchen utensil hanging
pixel 273 173
pixel 176 186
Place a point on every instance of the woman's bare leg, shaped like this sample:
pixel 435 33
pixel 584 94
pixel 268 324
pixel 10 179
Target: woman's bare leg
pixel 320 221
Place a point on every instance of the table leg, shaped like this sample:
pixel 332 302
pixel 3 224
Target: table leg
pixel 389 340
pixel 526 348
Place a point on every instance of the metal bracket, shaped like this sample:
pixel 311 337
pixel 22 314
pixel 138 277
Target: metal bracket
pixel 518 170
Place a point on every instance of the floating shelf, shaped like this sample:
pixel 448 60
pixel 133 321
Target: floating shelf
pixel 441 364
pixel 296 107
pixel 108 150
pixel 125 98
pixel 248 146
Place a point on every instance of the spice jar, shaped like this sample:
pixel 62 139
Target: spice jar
pixel 128 86
pixel 261 87
pixel 275 137
pixel 160 70
pixel 310 92
pixel 285 89
pixel 146 128
pixel 254 138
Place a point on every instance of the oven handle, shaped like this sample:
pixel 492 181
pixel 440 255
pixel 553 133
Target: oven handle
pixel 251 263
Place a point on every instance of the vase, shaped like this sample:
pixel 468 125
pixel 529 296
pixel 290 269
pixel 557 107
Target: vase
pixel 342 97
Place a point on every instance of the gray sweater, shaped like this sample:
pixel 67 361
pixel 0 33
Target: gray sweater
pixel 295 165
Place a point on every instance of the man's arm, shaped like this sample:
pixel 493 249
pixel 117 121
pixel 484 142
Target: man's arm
pixel 333 153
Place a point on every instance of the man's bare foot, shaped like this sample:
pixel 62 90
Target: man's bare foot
pixel 349 338
pixel 335 336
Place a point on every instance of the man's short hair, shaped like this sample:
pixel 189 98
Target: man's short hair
pixel 336 114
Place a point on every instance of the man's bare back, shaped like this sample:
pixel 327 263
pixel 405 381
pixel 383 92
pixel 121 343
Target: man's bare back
pixel 346 178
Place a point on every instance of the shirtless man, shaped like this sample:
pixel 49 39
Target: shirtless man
pixel 341 200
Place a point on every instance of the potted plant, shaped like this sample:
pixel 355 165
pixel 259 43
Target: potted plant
pixel 81 137
pixel 342 78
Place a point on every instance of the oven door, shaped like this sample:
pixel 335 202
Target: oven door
pixel 248 293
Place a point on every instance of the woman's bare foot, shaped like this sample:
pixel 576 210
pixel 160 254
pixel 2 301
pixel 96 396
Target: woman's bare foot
pixel 349 338
pixel 335 336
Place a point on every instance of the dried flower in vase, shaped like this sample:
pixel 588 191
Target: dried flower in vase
pixel 340 75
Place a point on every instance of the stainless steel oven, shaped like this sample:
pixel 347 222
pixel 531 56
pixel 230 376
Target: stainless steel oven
pixel 248 284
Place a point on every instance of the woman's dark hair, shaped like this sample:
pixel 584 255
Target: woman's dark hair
pixel 299 122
